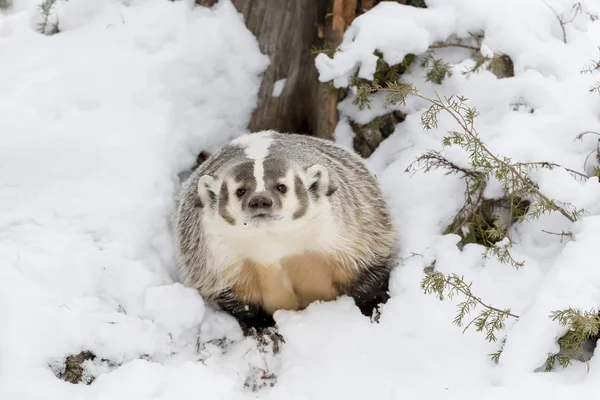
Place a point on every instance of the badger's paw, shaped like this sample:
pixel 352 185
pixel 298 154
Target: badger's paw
pixel 262 357
pixel 268 339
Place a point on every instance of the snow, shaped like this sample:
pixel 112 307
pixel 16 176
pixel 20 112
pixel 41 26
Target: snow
pixel 278 87
pixel 98 122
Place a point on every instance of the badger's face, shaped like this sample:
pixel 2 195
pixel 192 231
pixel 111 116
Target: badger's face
pixel 271 194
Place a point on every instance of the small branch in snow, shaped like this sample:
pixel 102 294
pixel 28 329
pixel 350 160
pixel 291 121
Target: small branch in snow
pixel 46 26
pixel 576 9
pixel 562 234
pixel 597 151
pixel 433 159
pixel 445 45
pixel 549 165
pixel 560 21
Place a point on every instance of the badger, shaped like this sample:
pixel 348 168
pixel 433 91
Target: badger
pixel 276 221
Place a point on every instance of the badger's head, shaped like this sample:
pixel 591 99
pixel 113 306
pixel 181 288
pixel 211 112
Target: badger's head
pixel 273 193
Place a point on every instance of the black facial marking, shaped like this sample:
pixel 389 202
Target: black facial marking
pixel 244 173
pixel 223 205
pixel 302 196
pixel 275 169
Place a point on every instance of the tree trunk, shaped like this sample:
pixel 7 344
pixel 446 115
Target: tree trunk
pixel 287 31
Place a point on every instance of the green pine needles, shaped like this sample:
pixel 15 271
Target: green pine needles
pixel 437 69
pixel 489 320
pixel 581 327
pixel 478 220
pixel 482 220
pixel 593 68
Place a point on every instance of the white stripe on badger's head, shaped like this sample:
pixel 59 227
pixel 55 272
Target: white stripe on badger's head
pixel 256 148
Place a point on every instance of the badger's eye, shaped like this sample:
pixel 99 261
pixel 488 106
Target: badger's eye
pixel 240 192
pixel 282 188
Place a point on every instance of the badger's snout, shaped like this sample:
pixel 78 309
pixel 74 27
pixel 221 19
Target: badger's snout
pixel 260 202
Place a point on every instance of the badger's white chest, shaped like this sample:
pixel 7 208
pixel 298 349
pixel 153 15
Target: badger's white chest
pixel 270 244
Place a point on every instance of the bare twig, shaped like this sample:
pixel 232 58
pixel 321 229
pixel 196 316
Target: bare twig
pixel 562 234
pixel 582 134
pixel 560 21
pixel 445 45
pixel 546 164
pixel 433 159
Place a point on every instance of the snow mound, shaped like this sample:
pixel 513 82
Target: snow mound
pixel 162 304
pixel 96 123
pixel 534 115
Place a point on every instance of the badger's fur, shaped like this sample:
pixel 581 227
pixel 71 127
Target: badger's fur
pixel 276 221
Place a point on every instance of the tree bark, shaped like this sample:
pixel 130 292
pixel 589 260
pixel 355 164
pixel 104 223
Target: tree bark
pixel 286 31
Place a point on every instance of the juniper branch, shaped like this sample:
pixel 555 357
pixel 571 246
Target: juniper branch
pixel 490 319
pixel 496 355
pixel 469 139
pixel 470 131
pixel 581 326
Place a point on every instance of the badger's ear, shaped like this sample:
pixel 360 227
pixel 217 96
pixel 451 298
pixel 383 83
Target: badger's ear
pixel 207 190
pixel 318 180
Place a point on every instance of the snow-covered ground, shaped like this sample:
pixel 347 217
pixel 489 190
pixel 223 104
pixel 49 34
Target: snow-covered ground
pixel 98 121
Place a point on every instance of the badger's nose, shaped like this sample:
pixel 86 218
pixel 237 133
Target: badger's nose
pixel 260 202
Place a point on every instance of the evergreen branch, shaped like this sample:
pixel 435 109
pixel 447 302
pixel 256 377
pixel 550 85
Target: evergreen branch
pixel 496 355
pixel 591 68
pixel 437 68
pixel 433 283
pixel 503 255
pixel 581 326
pixel 465 116
pixel 491 319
